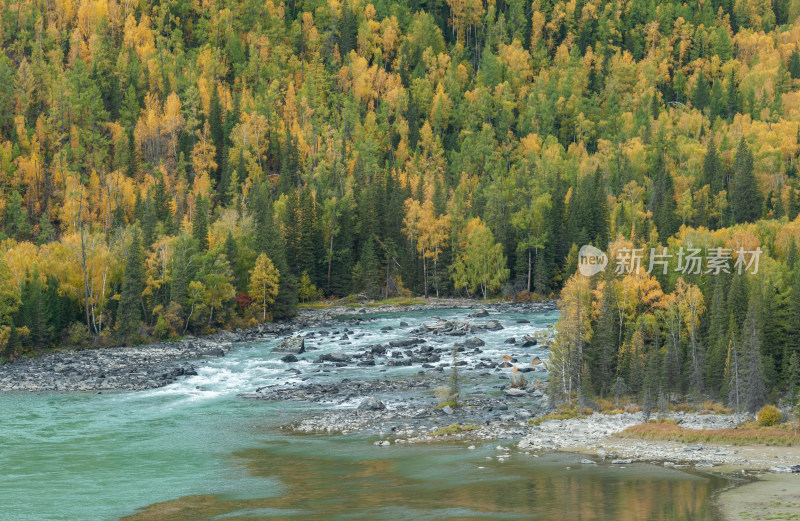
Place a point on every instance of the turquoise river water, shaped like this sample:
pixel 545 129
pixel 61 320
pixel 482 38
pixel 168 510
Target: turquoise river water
pixel 195 451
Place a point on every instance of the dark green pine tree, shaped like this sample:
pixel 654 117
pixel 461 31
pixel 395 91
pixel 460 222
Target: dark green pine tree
pixel 603 347
pixel 291 227
pixel 15 221
pixel 268 240
pixel 148 223
pixel 717 337
pixel 702 92
pixel 307 248
pixel 341 282
pixel 793 316
pixel 718 106
pixel 181 275
pixel 232 254
pixel 662 201
pixel 738 296
pixel 34 312
pixel 217 131
pixel 792 254
pixel 58 306
pixel 794 65
pixel 46 231
pixel 732 101
pixel 369 269
pixel 200 222
pixel 746 198
pixel 289 178
pixel 651 387
pixel 712 170
pixel 129 313
pixel 751 339
pixel 162 207
pixel 131 156
pixel 348 30
pixel 793 207
pixel 773 336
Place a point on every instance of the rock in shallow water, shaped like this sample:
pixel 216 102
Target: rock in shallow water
pixel 294 345
pixel 372 404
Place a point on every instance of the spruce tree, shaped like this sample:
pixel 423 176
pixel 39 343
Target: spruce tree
pixel 794 204
pixel 129 313
pixel 34 313
pixel 217 131
pixel 131 156
pixel 712 170
pixel 746 198
pixel 751 339
pixel 307 247
pixel 732 101
pixel 348 30
pixel 268 240
pixel 46 231
pixel 369 269
pixel 200 222
pixel 662 201
pixel 15 222
pixel 793 315
pixel 702 93
pixel 288 180
pixel 58 306
pixel 736 372
pixel 794 65
pixel 717 338
pixel 232 254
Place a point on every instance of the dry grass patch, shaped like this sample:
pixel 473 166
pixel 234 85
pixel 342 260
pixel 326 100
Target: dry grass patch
pixel 745 434
pixel 454 429
pixel 564 412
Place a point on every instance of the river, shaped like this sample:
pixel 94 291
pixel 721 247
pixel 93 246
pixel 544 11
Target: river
pixel 194 450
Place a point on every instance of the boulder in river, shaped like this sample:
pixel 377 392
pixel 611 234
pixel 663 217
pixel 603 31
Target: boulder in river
pixel 473 342
pixel 372 404
pixel 493 325
pixel 334 357
pixel 289 358
pixel 294 345
pixel 529 341
pixel 480 314
pixel 514 392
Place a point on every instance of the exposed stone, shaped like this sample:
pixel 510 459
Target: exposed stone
pixel 372 404
pixel 293 345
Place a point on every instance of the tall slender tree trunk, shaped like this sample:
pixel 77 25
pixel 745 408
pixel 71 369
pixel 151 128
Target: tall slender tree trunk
pixel 425 274
pixel 529 270
pixel 83 265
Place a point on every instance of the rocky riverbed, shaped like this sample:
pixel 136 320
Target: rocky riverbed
pixel 161 363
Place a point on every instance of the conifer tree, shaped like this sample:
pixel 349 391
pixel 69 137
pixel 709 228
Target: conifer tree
pixel 732 101
pixel 751 339
pixel 217 131
pixel 200 222
pixel 701 93
pixel 794 65
pixel 746 198
pixel 129 315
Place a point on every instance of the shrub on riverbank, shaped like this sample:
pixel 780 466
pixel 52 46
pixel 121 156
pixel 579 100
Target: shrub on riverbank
pixel 769 415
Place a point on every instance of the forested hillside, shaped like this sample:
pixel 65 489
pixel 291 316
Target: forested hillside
pixel 176 166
